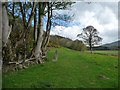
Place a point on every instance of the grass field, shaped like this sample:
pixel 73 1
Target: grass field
pixel 73 69
pixel 109 53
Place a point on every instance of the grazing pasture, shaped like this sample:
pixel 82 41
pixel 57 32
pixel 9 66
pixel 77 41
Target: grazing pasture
pixel 73 69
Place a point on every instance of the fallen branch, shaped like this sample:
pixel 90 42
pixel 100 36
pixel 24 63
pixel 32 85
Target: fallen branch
pixel 31 59
pixel 13 62
pixel 20 62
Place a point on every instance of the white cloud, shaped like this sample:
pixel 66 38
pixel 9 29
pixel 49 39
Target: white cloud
pixel 68 32
pixel 103 16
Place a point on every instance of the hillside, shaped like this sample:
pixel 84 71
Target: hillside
pixel 79 45
pixel 109 46
pixel 117 43
pixel 57 41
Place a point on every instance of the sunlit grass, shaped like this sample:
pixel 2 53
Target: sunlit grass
pixel 73 69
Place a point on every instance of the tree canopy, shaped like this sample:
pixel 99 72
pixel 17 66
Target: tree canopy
pixel 90 36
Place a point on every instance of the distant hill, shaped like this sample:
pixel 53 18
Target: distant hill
pixel 57 41
pixel 110 46
pixel 117 43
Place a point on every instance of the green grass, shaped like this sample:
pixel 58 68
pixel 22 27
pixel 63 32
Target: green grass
pixel 73 69
pixel 109 52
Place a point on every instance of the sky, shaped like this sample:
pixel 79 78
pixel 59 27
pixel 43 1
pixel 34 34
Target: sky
pixel 101 15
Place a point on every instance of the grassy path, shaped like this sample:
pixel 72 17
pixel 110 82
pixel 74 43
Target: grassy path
pixel 73 69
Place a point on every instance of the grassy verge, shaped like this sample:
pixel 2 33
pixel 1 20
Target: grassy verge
pixel 73 69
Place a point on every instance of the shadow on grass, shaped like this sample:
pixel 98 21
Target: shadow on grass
pixel 42 84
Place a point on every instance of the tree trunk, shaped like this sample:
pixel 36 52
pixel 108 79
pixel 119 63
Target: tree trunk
pixel 38 51
pixel 91 50
pixel 13 21
pixel 90 47
pixel 0 45
pixel 48 28
pixel 44 47
pixel 90 42
pixel 26 24
pixel 35 26
pixel 0 30
pixel 6 30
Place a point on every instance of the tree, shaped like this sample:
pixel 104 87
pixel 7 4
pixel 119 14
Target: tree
pixel 0 41
pixel 62 19
pixel 6 29
pixel 51 6
pixel 38 51
pixel 26 23
pixel 90 36
pixel 24 45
